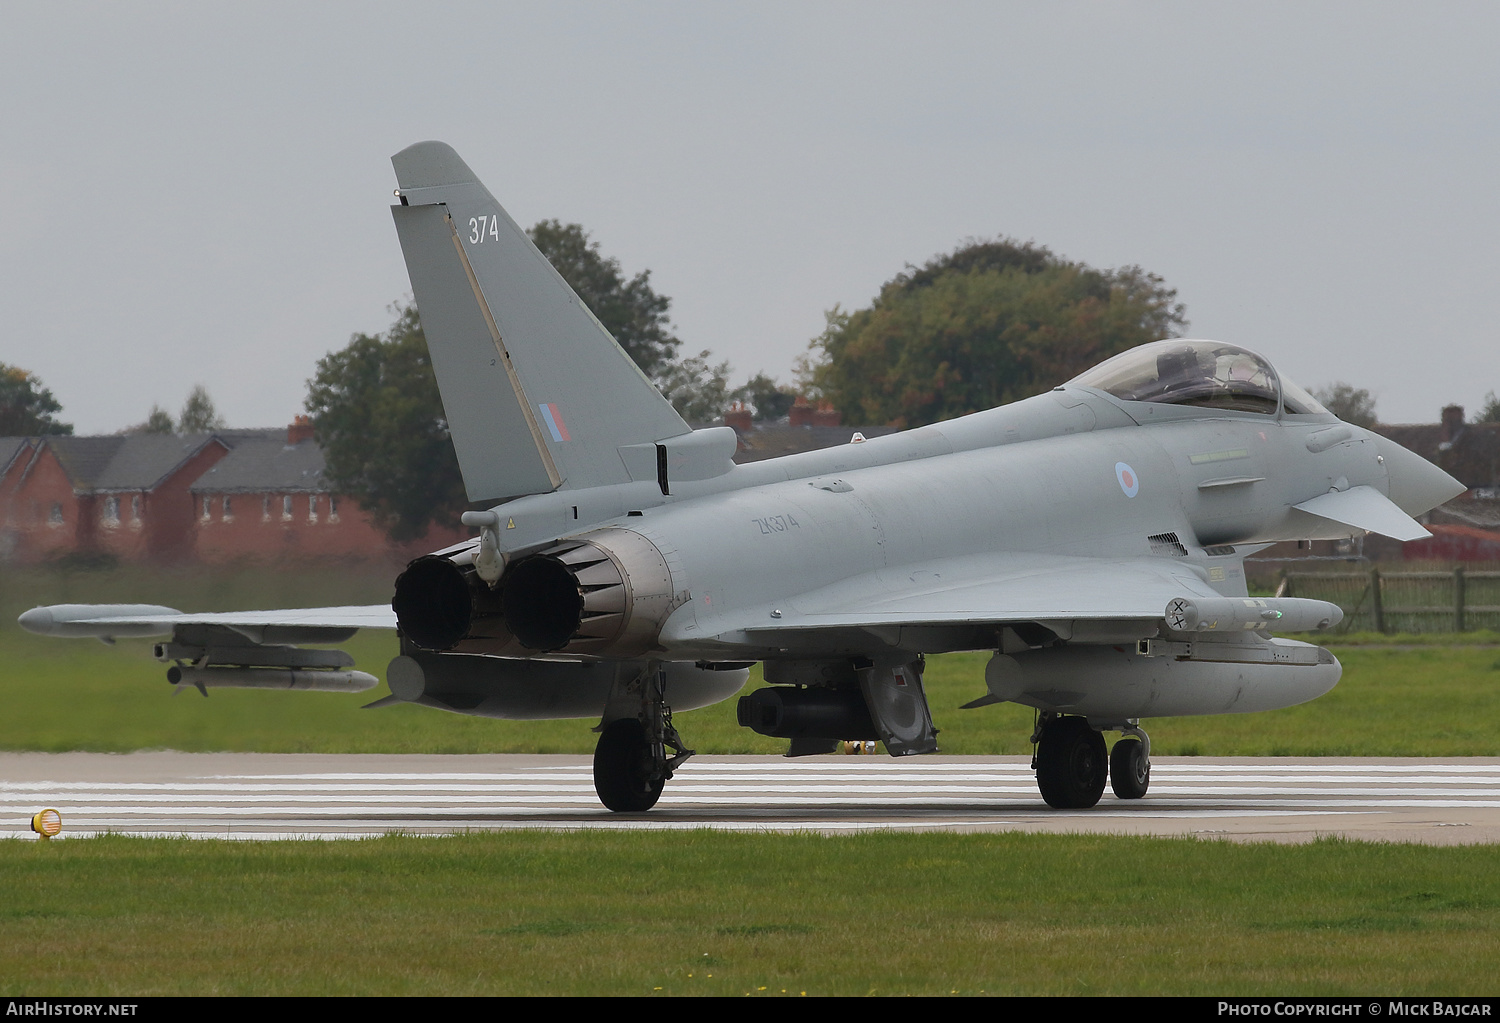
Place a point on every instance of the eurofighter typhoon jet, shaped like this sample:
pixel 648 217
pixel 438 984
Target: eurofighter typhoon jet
pixel 1092 537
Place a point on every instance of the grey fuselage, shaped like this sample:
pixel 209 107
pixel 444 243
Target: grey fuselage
pixel 1037 476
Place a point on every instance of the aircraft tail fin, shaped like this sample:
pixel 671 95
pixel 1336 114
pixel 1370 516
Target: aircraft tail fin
pixel 538 395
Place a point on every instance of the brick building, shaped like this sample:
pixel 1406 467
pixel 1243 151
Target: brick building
pixel 125 496
pixel 166 498
pixel 268 498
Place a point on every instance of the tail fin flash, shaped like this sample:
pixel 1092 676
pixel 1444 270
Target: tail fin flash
pixel 538 395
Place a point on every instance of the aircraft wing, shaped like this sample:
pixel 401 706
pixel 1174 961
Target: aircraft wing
pixel 232 650
pixel 996 589
pixel 304 624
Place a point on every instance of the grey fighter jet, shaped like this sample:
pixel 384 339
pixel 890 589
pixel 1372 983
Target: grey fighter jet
pixel 1092 537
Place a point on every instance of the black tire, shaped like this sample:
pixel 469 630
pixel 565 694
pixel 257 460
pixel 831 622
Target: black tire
pixel 622 768
pixel 1129 770
pixel 1072 764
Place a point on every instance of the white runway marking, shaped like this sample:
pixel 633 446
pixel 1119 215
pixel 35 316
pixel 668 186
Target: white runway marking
pixel 276 797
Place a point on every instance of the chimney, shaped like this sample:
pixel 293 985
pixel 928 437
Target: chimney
pixel 1453 423
pixel 801 413
pixel 300 430
pixel 739 417
pixel 826 415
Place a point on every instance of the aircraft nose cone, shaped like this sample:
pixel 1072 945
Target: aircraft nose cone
pixel 1417 485
pixel 38 619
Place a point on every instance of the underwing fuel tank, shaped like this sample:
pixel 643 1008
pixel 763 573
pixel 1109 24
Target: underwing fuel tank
pixel 1164 678
pixel 604 593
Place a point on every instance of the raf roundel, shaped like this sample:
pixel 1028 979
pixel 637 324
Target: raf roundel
pixel 1129 481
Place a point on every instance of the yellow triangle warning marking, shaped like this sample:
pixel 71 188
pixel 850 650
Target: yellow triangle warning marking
pixel 511 524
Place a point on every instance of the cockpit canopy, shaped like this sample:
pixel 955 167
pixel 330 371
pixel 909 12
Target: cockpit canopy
pixel 1208 374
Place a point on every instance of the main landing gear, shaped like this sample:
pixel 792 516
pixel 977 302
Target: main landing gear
pixel 631 761
pixel 1071 764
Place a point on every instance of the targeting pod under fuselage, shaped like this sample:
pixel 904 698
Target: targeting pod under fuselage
pixel 814 712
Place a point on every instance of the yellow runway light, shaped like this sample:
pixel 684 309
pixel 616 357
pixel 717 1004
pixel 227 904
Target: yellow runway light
pixel 47 824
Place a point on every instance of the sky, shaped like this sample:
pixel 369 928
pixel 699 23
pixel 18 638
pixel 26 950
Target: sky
pixel 196 193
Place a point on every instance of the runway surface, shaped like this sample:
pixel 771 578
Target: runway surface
pixel 273 796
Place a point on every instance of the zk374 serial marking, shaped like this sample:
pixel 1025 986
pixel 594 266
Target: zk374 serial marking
pixel 775 524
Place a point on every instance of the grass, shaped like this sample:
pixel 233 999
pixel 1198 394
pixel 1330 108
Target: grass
pixel 609 913
pixel 1415 697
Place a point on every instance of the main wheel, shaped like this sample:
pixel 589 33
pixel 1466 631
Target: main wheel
pixel 1129 770
pixel 623 770
pixel 1071 764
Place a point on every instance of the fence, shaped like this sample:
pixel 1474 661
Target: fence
pixel 1376 601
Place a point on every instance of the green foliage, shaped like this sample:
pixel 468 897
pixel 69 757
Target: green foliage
pixel 1352 404
pixel 770 399
pixel 989 323
pixel 377 413
pixel 198 416
pixel 1489 412
pixel 26 407
pixel 158 421
pixel 198 413
pixel 697 389
pixel 629 309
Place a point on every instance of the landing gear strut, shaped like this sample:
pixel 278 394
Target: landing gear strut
pixel 1070 762
pixel 631 764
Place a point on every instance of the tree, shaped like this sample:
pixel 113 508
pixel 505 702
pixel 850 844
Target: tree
pixel 26 407
pixel 630 310
pixel 770 399
pixel 991 322
pixel 1489 412
pixel 378 415
pixel 1352 405
pixel 698 390
pixel 198 413
pixel 159 420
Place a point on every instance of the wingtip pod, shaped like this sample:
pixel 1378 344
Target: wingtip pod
pixel 430 164
pixel 97 620
pixel 1237 614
